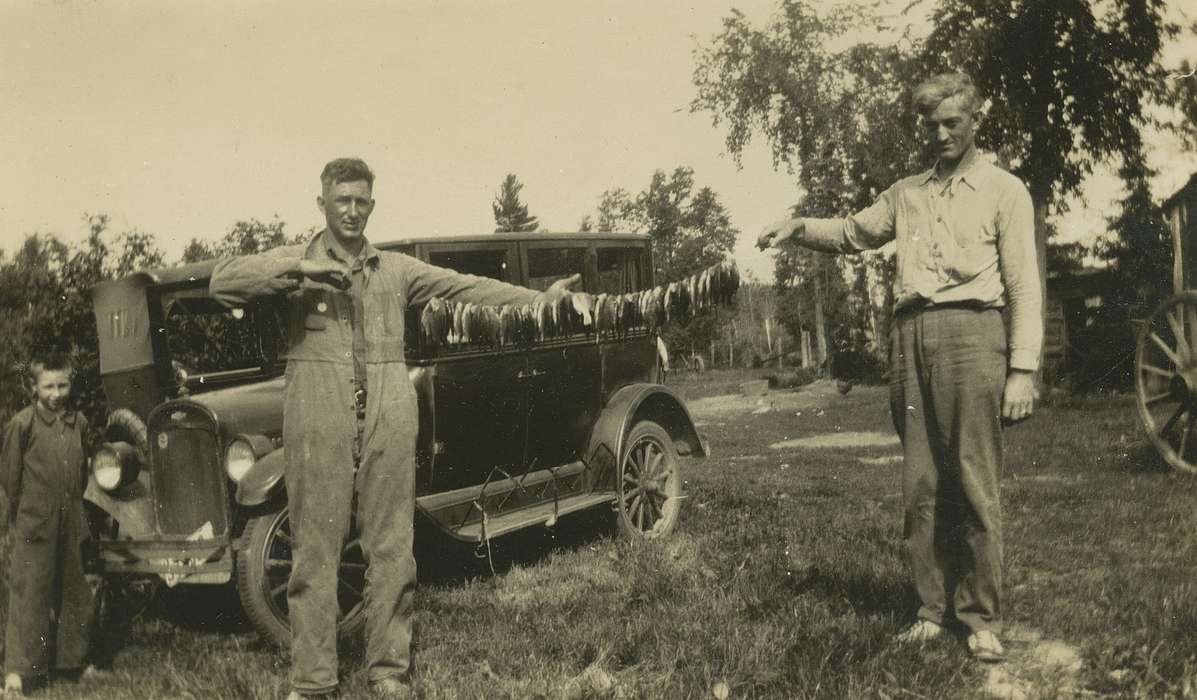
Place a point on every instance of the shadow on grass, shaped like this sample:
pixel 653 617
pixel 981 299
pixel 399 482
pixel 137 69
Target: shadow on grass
pixel 1143 458
pixel 865 592
pixel 443 561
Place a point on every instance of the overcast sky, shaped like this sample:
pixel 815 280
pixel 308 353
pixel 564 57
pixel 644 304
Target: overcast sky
pixel 180 118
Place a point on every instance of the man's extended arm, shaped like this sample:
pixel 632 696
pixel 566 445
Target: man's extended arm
pixel 867 229
pixel 237 281
pixel 426 281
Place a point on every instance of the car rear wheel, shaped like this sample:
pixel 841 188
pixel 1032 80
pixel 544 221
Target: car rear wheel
pixel 650 483
pixel 264 568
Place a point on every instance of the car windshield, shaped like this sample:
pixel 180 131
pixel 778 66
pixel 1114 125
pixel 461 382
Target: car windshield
pixel 203 337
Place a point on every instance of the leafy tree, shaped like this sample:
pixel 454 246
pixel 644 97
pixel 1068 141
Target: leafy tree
pixel 244 237
pixel 840 119
pixel 47 306
pixel 510 213
pixel 690 231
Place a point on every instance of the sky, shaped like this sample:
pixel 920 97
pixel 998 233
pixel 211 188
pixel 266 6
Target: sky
pixel 180 118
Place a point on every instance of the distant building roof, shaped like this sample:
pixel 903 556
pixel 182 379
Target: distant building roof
pixel 1189 190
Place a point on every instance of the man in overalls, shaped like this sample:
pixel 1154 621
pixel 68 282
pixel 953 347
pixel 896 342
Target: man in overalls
pixel 350 419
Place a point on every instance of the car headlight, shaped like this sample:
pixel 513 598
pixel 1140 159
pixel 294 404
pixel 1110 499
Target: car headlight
pixel 114 465
pixel 239 458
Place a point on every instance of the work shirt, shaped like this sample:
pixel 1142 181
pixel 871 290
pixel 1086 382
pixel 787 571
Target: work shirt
pixel 969 238
pixel 47 464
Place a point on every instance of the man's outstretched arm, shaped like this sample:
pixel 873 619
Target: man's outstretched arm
pixel 864 230
pixel 237 281
pixel 426 281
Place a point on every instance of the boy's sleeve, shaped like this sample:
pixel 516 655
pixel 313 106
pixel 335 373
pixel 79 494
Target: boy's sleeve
pixel 10 471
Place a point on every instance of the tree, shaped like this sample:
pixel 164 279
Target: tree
pixel 840 119
pixel 510 213
pixel 244 237
pixel 47 306
pixel 690 231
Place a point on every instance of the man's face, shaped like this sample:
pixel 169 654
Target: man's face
pixel 347 207
pixel 53 386
pixel 950 129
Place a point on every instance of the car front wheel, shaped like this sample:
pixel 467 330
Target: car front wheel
pixel 650 483
pixel 264 569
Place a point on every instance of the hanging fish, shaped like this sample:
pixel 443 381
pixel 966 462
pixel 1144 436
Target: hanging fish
pixel 434 323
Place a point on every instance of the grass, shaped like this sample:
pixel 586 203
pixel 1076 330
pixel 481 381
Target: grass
pixel 783 580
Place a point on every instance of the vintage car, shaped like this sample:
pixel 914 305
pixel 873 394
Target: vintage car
pixel 189 480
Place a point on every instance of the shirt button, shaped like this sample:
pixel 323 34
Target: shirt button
pixel 348 354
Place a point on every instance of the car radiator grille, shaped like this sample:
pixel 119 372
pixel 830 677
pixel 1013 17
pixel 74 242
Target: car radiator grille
pixel 188 479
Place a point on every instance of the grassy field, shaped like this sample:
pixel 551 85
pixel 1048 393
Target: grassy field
pixel 784 580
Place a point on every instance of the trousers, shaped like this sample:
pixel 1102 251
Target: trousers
pixel 948 375
pixel 47 575
pixel 320 429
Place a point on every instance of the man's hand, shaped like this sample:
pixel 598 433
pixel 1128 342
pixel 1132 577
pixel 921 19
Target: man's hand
pixel 1018 399
pixel 561 287
pixel 326 271
pixel 777 232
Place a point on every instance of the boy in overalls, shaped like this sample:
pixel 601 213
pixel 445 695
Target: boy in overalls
pixel 42 474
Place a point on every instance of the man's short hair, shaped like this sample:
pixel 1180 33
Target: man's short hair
pixel 346 170
pixel 928 95
pixel 53 361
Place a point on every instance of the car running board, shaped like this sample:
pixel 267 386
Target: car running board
pixel 542 514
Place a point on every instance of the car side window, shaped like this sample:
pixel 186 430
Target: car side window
pixel 547 265
pixel 483 263
pixel 618 270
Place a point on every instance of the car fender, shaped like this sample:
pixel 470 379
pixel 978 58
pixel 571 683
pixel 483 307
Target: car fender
pixel 637 402
pixel 263 480
pixel 131 506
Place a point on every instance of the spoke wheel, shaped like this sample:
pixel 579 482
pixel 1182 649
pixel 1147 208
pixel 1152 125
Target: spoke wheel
pixel 1166 380
pixel 264 570
pixel 650 484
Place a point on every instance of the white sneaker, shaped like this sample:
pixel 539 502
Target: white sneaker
pixel 985 646
pixel 13 686
pixel 921 631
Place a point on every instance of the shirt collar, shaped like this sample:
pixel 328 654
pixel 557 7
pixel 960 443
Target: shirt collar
pixel 966 171
pixel 368 254
pixel 49 417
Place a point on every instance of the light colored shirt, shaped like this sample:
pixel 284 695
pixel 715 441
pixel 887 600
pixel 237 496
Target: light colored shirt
pixel 969 238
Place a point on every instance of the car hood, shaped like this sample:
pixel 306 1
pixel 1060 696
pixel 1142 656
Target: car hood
pixel 250 408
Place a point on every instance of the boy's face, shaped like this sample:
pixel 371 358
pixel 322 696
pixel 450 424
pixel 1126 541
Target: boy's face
pixel 53 386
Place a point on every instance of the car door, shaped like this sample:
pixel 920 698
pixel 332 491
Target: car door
pixel 563 376
pixel 479 417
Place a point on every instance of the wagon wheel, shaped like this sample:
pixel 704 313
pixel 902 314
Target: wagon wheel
pixel 264 568
pixel 1166 380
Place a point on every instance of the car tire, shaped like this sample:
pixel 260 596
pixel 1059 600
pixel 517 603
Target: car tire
pixel 649 483
pixel 264 568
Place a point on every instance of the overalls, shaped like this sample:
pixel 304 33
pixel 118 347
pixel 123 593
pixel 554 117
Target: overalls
pixel 331 331
pixel 42 469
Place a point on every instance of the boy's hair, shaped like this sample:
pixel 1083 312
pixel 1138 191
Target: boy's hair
pixel 48 362
pixel 930 93
pixel 345 170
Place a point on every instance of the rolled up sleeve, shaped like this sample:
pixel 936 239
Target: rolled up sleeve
pixel 865 230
